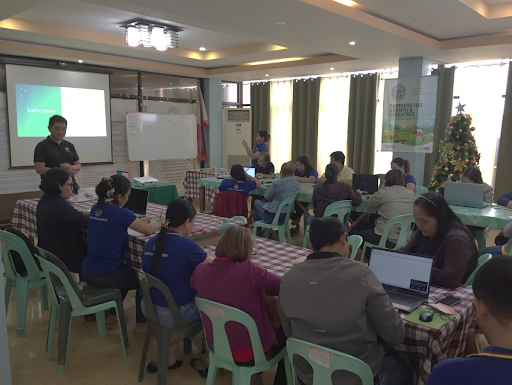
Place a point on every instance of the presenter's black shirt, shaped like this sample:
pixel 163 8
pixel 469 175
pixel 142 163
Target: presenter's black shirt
pixel 53 154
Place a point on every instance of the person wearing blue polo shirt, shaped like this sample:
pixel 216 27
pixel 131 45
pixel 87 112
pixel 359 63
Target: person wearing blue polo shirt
pixel 304 173
pixel 493 305
pixel 240 181
pixel 107 239
pixel 172 258
pixel 262 139
pixel 404 166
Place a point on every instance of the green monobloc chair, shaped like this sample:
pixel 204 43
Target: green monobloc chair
pixel 325 361
pixel 481 260
pixel 13 246
pixel 69 301
pixel 404 221
pixel 420 190
pixel 285 206
pixel 220 353
pixel 149 283
pixel 340 208
pixel 355 242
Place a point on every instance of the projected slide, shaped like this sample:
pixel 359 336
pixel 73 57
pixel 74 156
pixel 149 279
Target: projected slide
pixel 83 108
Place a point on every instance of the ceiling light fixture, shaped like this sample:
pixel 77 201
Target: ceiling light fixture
pixel 352 43
pixel 348 3
pixel 148 34
pixel 80 61
pixel 286 59
pixel 202 49
pixel 332 68
pixel 281 23
pixel 266 74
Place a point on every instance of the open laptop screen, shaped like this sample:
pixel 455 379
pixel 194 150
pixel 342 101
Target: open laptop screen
pixel 251 171
pixel 138 201
pixel 404 271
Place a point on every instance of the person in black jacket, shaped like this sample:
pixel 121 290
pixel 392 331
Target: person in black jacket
pixel 59 225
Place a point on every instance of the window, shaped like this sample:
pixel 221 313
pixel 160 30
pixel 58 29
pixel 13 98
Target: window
pixel 246 94
pixel 169 87
pixel 229 93
pixel 383 159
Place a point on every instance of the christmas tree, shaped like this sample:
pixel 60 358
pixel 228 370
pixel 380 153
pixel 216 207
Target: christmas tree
pixel 457 151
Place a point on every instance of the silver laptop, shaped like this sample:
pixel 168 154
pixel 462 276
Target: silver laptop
pixel 464 194
pixel 405 277
pixel 251 171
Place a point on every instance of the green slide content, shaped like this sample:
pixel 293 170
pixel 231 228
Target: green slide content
pixel 35 105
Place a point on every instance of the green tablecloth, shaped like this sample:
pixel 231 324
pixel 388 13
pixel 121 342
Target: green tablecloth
pixel 161 194
pixel 305 194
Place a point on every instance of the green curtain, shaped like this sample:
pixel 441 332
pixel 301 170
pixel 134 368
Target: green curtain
pixel 444 111
pixel 260 107
pixel 503 179
pixel 306 100
pixel 361 123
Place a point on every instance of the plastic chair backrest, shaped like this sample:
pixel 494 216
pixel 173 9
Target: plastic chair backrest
pixel 405 222
pixel 11 242
pixel 354 241
pixel 147 281
pixel 55 268
pixel 481 260
pixel 325 361
pixel 340 208
pixel 288 201
pixel 420 190
pixel 219 314
pixel 239 219
pixel 277 175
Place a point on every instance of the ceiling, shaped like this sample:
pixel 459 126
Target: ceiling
pixel 315 33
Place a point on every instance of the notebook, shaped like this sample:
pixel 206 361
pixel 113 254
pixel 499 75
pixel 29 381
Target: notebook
pixel 367 183
pixel 405 277
pixel 137 202
pixel 464 194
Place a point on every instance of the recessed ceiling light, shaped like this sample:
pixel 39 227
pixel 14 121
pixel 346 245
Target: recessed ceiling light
pixel 352 43
pixel 332 68
pixel 80 61
pixel 266 74
pixel 202 49
pixel 281 23
pixel 348 3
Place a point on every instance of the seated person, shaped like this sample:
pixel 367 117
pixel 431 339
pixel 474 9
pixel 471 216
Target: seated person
pixel 265 168
pixel 505 200
pixel 404 167
pixel 473 175
pixel 441 234
pixel 391 201
pixel 233 280
pixel 59 225
pixel 180 257
pixel 304 173
pixel 332 191
pixel 493 307
pixel 108 235
pixel 361 324
pixel 240 181
pixel 278 191
pixel 501 249
pixel 345 174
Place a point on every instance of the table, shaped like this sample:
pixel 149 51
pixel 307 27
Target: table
pixel 422 345
pixel 24 220
pixel 191 185
pixel 494 216
pixel 212 183
pixel 162 194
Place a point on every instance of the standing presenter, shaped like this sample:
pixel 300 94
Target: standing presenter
pixel 54 151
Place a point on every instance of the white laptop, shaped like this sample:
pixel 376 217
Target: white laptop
pixel 251 171
pixel 405 277
pixel 464 194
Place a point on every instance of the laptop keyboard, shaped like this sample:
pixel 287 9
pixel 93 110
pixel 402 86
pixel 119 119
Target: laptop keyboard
pixel 404 299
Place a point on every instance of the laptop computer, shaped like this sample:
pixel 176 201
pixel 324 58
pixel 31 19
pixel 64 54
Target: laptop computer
pixel 368 184
pixel 137 202
pixel 464 194
pixel 405 277
pixel 251 171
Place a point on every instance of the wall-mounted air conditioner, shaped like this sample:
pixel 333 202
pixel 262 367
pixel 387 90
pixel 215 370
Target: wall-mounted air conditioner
pixel 236 128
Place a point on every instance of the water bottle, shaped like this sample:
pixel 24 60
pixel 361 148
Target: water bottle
pixel 224 225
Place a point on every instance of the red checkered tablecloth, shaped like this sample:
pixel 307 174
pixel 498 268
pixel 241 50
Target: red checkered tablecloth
pixel 24 220
pixel 191 184
pixel 424 346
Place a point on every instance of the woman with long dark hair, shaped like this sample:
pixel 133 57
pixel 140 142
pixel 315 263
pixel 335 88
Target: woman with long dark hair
pixel 108 224
pixel 262 139
pixel 172 258
pixel 59 225
pixel 442 235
